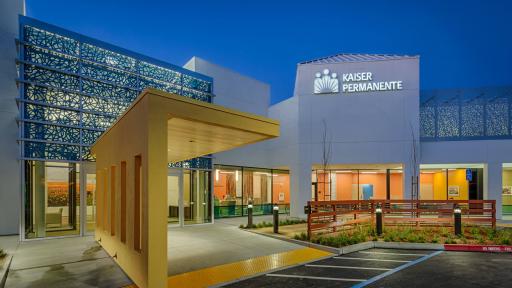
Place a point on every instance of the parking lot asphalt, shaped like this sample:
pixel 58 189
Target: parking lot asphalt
pixel 394 268
pixel 455 269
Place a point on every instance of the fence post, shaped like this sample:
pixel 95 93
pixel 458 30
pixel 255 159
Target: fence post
pixel 417 213
pixel 307 211
pixel 493 214
pixel 335 218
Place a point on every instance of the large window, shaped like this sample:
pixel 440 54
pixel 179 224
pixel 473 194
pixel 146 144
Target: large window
pixel 52 199
pixel 357 184
pixel 507 191
pixel 236 187
pixel 451 182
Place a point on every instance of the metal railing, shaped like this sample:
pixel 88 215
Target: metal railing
pixel 333 216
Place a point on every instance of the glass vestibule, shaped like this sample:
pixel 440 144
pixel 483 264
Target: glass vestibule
pixel 236 187
pixel 189 196
pixel 356 184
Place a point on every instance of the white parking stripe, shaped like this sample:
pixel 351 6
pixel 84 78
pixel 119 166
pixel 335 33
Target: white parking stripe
pixel 371 259
pixel 390 253
pixel 347 267
pixel 316 278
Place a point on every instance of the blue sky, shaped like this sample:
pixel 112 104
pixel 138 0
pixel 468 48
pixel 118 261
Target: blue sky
pixel 461 43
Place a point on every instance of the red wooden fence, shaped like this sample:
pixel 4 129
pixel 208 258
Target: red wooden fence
pixel 332 216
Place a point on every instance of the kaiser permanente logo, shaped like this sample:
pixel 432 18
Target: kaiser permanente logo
pixel 327 83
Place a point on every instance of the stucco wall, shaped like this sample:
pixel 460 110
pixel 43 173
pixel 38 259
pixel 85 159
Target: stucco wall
pixel 239 92
pixel 10 185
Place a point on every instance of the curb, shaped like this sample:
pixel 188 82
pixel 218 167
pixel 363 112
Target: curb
pixel 408 246
pixel 299 242
pixel 394 245
pixel 356 247
pixel 4 270
pixel 478 248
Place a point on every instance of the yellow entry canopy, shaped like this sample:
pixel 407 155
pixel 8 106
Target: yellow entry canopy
pixel 132 157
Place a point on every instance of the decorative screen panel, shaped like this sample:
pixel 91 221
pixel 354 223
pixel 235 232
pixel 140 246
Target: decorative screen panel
pixel 471 114
pixel 74 88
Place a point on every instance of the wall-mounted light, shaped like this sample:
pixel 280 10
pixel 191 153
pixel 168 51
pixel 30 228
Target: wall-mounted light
pixel 217 175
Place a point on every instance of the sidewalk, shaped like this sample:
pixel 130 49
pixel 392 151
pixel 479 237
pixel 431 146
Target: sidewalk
pixel 67 262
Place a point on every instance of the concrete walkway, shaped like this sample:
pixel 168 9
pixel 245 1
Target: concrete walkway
pixel 66 262
pixel 81 262
pixel 198 247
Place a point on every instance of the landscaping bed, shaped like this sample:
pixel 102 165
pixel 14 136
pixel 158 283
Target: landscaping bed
pixel 438 235
pixel 287 228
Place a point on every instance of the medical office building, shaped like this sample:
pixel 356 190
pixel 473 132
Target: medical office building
pixel 356 127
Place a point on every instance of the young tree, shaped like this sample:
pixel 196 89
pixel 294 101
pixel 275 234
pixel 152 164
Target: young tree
pixel 326 158
pixel 414 164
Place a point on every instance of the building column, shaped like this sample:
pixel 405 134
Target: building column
pixel 493 184
pixel 300 187
pixel 407 180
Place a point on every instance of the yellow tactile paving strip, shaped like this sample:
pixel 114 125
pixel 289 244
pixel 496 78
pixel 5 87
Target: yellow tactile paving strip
pixel 236 270
pixel 232 271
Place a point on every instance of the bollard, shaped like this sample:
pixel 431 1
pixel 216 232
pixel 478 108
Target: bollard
pixel 458 220
pixel 276 219
pixel 378 214
pixel 249 216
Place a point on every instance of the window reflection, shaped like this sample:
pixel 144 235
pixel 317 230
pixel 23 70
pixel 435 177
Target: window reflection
pixel 236 187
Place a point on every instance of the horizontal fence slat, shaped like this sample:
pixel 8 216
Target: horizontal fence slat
pixel 340 214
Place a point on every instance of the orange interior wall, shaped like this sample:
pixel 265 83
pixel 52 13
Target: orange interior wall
pixel 438 181
pixel 344 186
pixel 378 181
pixel 281 183
pixel 397 183
pixel 219 187
pixel 345 182
pixel 458 178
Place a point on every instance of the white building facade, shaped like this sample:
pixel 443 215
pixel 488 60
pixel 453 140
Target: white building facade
pixel 358 127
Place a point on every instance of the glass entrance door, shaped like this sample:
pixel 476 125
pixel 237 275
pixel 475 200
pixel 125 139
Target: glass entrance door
pixel 52 206
pixel 197 196
pixel 88 197
pixel 174 197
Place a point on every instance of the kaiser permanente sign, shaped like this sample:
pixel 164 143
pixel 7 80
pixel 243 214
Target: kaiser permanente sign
pixel 363 82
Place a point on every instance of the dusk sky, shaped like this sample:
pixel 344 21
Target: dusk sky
pixel 461 43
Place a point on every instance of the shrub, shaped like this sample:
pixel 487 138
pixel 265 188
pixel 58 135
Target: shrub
pixel 302 236
pixel 449 240
pixel 2 253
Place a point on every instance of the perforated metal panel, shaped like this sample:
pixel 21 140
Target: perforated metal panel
pixel 467 114
pixel 73 87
